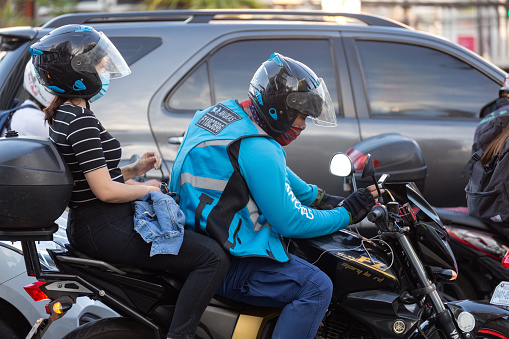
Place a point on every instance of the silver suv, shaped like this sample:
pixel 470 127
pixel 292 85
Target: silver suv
pixel 383 76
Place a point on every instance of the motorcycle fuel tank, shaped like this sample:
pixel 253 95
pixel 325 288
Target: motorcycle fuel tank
pixel 353 263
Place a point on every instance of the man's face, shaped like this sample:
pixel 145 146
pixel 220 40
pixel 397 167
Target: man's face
pixel 300 120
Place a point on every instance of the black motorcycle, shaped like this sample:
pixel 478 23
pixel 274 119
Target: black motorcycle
pixel 479 248
pixel 384 287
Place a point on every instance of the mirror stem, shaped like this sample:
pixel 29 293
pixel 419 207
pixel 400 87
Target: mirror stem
pixel 380 199
pixel 354 184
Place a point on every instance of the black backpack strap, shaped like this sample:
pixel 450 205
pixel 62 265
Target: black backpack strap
pixel 468 167
pixel 10 112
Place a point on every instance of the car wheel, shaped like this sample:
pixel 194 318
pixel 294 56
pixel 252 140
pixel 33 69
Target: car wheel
pixel 7 331
pixel 112 328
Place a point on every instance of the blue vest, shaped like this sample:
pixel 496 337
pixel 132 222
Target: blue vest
pixel 214 195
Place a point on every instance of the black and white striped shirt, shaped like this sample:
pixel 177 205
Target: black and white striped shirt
pixel 85 146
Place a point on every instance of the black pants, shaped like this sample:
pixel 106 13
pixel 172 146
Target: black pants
pixel 106 231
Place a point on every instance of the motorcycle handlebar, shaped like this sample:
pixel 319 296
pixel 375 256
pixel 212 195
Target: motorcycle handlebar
pixel 376 213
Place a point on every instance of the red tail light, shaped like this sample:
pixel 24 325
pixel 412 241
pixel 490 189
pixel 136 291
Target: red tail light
pixel 35 292
pixel 359 159
pixel 505 260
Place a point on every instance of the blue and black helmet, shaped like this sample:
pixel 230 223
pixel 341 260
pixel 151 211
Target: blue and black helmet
pixel 68 61
pixel 282 88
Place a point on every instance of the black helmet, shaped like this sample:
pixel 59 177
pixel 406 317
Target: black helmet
pixel 282 88
pixel 68 59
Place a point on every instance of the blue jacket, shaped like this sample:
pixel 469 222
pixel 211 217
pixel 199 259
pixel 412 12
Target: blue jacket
pixel 159 220
pixel 235 187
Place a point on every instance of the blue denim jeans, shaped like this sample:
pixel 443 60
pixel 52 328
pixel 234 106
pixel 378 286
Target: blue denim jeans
pixel 301 288
pixel 106 231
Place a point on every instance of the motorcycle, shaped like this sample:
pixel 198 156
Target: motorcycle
pixel 479 248
pixel 384 287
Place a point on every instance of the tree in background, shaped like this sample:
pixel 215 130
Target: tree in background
pixel 199 4
pixel 11 15
pixel 23 12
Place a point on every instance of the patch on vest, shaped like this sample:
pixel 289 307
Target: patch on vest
pixel 217 118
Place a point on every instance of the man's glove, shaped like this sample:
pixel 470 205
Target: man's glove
pixel 326 201
pixel 358 204
pixel 329 202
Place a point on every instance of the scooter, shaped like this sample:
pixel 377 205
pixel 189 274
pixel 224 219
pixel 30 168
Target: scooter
pixel 384 287
pixel 479 248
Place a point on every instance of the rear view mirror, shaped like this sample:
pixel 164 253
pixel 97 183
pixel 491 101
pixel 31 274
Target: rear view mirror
pixel 340 165
pixel 369 172
pixel 369 168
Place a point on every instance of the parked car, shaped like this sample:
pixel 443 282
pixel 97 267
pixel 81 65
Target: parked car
pixel 19 312
pixel 383 77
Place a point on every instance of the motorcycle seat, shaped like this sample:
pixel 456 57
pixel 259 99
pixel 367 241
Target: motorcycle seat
pixel 83 258
pixel 453 217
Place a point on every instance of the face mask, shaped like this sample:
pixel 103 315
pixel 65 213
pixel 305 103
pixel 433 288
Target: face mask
pixel 292 134
pixel 105 80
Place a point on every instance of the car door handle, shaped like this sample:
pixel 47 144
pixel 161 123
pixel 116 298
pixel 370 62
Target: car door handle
pixel 175 140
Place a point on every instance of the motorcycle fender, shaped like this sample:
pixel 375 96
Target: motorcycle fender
pixel 381 311
pixel 482 311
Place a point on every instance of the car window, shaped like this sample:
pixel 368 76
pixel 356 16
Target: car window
pixel 227 72
pixel 411 81
pixel 134 48
pixel 193 93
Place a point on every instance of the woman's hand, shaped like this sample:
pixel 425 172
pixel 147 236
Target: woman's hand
pixel 144 164
pixel 147 161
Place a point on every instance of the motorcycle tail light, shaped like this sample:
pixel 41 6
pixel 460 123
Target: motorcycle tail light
pixel 359 158
pixel 35 292
pixel 60 308
pixel 505 260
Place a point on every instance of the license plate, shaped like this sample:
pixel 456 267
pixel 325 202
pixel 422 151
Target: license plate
pixel 501 294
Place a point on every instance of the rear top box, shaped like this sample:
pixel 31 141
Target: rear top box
pixel 35 184
pixel 399 156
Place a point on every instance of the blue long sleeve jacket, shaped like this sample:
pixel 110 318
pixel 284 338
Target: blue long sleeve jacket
pixel 235 187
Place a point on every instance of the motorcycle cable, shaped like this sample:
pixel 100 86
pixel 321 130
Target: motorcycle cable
pixel 361 245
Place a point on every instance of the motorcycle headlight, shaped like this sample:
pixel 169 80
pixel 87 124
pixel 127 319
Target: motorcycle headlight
pixel 466 321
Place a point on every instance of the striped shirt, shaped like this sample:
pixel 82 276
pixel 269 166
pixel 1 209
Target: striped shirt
pixel 85 146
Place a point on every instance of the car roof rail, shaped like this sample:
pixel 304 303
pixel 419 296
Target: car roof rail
pixel 205 16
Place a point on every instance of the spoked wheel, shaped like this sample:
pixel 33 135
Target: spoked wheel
pixel 112 328
pixel 497 329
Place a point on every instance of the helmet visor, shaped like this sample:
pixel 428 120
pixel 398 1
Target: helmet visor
pixel 102 58
pixel 317 104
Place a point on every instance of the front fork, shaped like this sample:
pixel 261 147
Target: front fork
pixel 444 319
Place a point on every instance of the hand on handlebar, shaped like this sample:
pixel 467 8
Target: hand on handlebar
pixel 360 202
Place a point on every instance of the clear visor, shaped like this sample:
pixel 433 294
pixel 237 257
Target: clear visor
pixel 317 104
pixel 102 58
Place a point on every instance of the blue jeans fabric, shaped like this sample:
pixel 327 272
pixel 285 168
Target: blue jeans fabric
pixel 301 288
pixel 106 231
pixel 159 220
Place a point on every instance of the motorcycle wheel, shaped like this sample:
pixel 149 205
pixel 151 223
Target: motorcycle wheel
pixel 112 328
pixel 497 329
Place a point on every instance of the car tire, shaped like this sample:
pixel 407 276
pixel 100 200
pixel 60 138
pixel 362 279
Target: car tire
pixel 7 331
pixel 112 328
